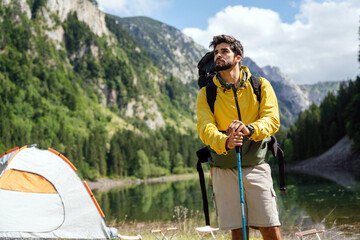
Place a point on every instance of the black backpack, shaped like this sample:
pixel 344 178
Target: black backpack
pixel 206 73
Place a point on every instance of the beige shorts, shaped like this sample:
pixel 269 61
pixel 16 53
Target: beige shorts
pixel 259 195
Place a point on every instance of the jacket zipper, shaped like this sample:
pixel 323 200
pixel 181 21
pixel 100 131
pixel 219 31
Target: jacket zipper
pixel 237 104
pixel 238 149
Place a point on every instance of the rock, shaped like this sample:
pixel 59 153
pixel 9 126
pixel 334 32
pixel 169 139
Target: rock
pixel 339 164
pixel 85 10
pixel 23 5
pixel 287 90
pixel 340 155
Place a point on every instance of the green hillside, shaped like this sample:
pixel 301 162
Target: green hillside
pixel 76 99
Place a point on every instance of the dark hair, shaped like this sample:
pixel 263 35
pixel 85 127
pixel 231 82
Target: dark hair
pixel 235 44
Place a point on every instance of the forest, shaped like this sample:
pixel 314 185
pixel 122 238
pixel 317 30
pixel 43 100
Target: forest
pixel 320 127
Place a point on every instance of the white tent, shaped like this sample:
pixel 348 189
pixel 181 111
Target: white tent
pixel 41 196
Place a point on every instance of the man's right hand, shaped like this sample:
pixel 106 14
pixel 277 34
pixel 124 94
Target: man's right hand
pixel 235 140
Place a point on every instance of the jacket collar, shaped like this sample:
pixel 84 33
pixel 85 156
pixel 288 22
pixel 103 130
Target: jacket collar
pixel 244 75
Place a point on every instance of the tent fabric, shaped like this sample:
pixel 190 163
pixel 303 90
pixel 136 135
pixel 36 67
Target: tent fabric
pixel 35 216
pixel 69 212
pixel 5 157
pixel 25 182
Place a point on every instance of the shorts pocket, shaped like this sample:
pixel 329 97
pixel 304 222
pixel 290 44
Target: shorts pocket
pixel 213 198
pixel 273 193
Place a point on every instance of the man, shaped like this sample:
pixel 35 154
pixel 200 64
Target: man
pixel 222 131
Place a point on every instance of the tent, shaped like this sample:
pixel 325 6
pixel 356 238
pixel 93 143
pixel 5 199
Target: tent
pixel 42 196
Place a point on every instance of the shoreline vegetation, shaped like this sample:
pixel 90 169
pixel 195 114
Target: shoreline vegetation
pixel 105 184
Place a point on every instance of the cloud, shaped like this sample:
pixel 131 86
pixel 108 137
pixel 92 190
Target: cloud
pixel 126 8
pixel 320 45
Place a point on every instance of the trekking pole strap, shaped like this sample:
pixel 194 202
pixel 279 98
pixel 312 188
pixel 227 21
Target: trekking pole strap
pixel 279 154
pixel 281 170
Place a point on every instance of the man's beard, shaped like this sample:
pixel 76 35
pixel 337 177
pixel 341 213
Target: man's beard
pixel 223 65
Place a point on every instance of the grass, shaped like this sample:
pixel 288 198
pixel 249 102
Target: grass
pixel 184 220
pixel 144 229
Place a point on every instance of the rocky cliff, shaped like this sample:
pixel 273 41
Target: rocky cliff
pixel 290 97
pixel 287 91
pixel 86 12
pixel 56 11
pixel 317 92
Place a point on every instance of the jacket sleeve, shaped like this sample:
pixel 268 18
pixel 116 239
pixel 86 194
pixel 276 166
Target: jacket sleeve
pixel 269 120
pixel 206 125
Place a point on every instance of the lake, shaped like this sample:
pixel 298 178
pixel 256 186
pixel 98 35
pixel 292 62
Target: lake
pixel 322 199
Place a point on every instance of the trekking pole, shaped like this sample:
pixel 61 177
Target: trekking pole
pixel 242 202
pixel 238 154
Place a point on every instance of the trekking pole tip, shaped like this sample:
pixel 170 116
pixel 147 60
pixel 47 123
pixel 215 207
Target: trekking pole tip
pixel 283 190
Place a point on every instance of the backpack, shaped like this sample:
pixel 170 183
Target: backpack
pixel 206 72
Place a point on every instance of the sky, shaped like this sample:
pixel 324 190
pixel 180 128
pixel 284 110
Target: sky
pixel 309 40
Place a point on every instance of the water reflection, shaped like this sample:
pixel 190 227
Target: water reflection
pixel 311 201
pixel 314 201
pixel 349 179
pixel 151 202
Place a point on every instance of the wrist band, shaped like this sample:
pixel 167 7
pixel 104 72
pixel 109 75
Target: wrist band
pixel 226 144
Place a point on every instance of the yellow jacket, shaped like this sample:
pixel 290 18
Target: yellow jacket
pixel 264 116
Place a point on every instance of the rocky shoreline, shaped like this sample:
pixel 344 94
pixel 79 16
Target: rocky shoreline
pixel 340 155
pixel 339 164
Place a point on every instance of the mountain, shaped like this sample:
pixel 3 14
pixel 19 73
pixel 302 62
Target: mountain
pixel 73 79
pixel 170 49
pixel 291 99
pixel 318 91
pixel 288 92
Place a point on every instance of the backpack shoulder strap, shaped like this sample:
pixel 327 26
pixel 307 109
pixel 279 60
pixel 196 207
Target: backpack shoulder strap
pixel 256 85
pixel 211 91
